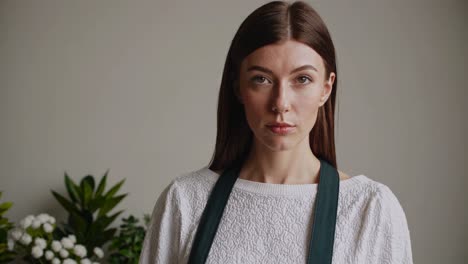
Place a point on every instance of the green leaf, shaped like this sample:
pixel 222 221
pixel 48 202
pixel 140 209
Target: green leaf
pixel 4 207
pixel 97 230
pixel 109 234
pixel 5 255
pixel 104 221
pixel 96 203
pixel 89 179
pixel 129 243
pixel 3 235
pixel 3 221
pixel 102 185
pixel 127 253
pixel 72 188
pixel 99 239
pixel 110 204
pixel 70 207
pixel 79 225
pixel 87 216
pixel 114 189
pixel 58 233
pixel 88 194
pixel 87 189
pixel 69 229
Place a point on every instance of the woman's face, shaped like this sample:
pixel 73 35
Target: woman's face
pixel 291 77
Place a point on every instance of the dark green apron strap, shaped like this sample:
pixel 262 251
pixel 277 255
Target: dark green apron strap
pixel 212 214
pixel 326 204
pixel 323 230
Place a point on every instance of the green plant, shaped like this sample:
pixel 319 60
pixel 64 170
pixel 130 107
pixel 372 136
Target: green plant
pixel 129 242
pixel 6 255
pixel 88 210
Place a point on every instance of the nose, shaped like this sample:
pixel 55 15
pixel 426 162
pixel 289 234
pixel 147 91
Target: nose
pixel 280 98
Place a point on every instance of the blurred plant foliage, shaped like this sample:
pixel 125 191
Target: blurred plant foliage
pixel 128 244
pixel 88 208
pixel 5 225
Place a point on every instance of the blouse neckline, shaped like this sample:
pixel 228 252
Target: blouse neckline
pixel 282 189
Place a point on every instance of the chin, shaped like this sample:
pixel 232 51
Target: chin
pixel 279 144
pixel 273 142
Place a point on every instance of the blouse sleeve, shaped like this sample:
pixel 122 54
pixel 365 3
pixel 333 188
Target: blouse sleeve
pixel 389 236
pixel 162 239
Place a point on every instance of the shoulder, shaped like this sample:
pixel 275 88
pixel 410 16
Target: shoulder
pixel 374 208
pixel 385 207
pixel 200 179
pixel 188 187
pixel 375 220
pixel 192 179
pixel 377 192
pixel 375 197
pixel 181 194
pixel 386 197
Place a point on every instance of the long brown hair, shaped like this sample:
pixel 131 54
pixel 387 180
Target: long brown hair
pixel 272 23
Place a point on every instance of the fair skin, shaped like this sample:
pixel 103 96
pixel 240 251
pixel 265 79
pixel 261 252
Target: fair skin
pixel 270 76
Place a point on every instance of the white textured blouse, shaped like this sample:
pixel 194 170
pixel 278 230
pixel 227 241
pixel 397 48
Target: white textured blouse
pixel 271 223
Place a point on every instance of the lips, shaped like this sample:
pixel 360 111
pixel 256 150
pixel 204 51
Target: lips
pixel 280 124
pixel 281 128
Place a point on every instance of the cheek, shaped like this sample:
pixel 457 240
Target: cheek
pixel 254 107
pixel 255 111
pixel 307 109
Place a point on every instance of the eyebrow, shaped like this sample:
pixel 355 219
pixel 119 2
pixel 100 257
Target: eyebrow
pixel 263 69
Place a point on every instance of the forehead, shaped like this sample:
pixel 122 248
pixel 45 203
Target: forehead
pixel 284 56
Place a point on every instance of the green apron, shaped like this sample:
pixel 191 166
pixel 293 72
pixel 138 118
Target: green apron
pixel 323 226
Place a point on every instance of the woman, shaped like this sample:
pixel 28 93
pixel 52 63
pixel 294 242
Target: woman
pixel 276 126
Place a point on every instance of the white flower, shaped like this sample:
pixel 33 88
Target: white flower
pixel 56 246
pixel 40 242
pixel 36 252
pixel 48 228
pixel 10 244
pixel 80 251
pixel 25 239
pixel 49 255
pixel 95 263
pixel 85 261
pixel 67 242
pixel 36 223
pixel 72 238
pixel 16 233
pixel 63 253
pixel 69 261
pixel 56 261
pixel 26 222
pixel 98 252
pixel 52 220
pixel 43 218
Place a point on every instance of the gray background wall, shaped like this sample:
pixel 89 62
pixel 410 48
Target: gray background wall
pixel 132 86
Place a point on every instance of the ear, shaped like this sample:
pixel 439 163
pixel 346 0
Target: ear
pixel 327 89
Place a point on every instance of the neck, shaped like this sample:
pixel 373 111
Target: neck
pixel 295 166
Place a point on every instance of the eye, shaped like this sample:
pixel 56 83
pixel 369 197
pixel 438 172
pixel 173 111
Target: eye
pixel 304 79
pixel 258 79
